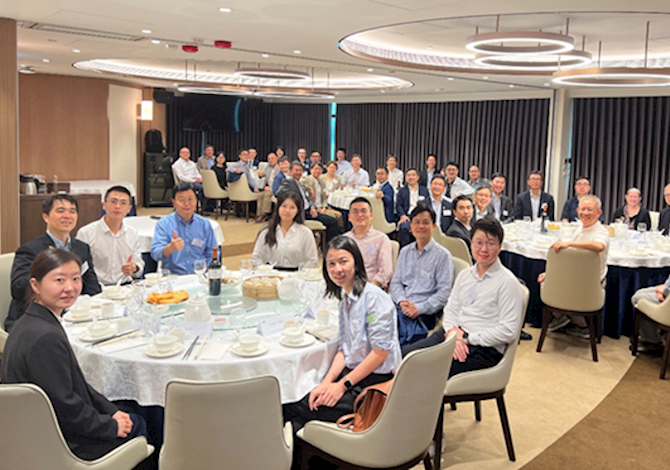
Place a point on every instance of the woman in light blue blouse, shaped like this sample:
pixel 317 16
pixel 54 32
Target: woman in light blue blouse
pixel 368 350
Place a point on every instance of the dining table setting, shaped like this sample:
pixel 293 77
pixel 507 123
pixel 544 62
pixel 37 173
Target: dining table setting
pixel 131 340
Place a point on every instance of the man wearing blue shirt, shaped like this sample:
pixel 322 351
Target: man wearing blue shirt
pixel 422 281
pixel 183 236
pixel 342 162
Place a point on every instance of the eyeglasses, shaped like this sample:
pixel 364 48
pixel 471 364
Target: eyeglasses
pixel 586 209
pixel 583 184
pixel 488 244
pixel 119 202
pixel 190 200
pixel 360 211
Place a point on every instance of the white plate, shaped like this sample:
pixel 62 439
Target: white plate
pixel 121 296
pixel 68 317
pixel 151 351
pixel 88 338
pixel 262 349
pixel 307 340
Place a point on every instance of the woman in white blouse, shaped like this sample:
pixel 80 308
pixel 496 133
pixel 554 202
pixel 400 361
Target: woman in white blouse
pixel 285 240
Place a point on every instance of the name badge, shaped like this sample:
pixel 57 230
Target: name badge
pixel 505 213
pixel 421 198
pixel 425 274
pixel 84 267
pixel 370 249
pixel 197 242
pixel 446 212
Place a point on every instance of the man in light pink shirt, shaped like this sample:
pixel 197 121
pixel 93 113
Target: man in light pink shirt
pixel 374 245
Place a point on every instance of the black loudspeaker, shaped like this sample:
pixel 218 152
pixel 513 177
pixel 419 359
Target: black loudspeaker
pixel 163 96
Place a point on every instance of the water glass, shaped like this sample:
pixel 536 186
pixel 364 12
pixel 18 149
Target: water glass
pixel 642 227
pixel 199 267
pixel 245 267
pixel 163 280
pixel 238 317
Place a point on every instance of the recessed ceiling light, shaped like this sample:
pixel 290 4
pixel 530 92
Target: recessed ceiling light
pixel 450 78
pixel 511 85
pixel 155 41
pixel 546 84
pixel 225 10
pixel 297 51
pixel 46 60
pixel 430 48
pixel 146 31
pixel 76 51
pixel 265 55
pixel 383 91
pixel 485 77
pixel 371 70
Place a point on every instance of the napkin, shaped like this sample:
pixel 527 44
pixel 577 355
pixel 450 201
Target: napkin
pixel 325 333
pixel 123 345
pixel 214 352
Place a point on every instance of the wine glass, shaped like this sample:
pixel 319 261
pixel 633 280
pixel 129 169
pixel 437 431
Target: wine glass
pixel 245 267
pixel 642 227
pixel 238 317
pixel 163 280
pixel 199 267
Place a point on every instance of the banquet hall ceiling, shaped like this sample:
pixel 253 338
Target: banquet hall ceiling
pixel 99 29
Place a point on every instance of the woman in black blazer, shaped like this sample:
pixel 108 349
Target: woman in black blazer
pixel 38 352
pixel 633 213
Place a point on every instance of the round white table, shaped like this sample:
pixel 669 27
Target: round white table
pixel 341 199
pixel 130 375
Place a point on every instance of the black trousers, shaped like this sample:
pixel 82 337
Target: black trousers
pixel 479 357
pixel 299 413
pixel 92 449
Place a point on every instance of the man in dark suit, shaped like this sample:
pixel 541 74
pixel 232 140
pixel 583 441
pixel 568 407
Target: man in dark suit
pixel 664 219
pixel 385 193
pixel 440 204
pixel 292 183
pixel 530 203
pixel 60 213
pixel 502 205
pixel 426 175
pixel 409 196
pixel 463 211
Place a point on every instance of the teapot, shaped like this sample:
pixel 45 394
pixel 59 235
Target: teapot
pixel 197 310
pixel 288 289
pixel 620 230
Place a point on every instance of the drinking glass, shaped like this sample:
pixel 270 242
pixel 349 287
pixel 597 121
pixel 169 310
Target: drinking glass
pixel 245 267
pixel 238 317
pixel 641 227
pixel 200 266
pixel 163 280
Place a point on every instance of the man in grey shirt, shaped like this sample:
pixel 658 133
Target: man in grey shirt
pixel 650 337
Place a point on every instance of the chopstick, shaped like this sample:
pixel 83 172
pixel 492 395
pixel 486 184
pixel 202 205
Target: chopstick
pixel 190 349
pixel 114 339
pixel 202 345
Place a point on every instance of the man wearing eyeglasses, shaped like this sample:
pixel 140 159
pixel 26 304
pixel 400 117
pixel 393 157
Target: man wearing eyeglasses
pixel 529 203
pixel 592 236
pixel 183 236
pixel 115 246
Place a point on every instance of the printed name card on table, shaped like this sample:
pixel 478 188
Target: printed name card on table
pixel 193 329
pixel 274 325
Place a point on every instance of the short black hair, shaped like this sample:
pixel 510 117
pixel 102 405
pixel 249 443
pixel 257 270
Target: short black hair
pixel 431 155
pixel 49 203
pixel 183 186
pixel 411 169
pixel 118 189
pixel 209 146
pixel 439 177
pixel 582 178
pixel 283 158
pixel 239 152
pixel 460 198
pixel 314 165
pixel 342 242
pixel 421 208
pixel 357 155
pixel 383 168
pixel 252 148
pixel 392 156
pixel 342 149
pixel 536 172
pixel 490 226
pixel 452 164
pixel 294 164
pixel 497 174
pixel 361 199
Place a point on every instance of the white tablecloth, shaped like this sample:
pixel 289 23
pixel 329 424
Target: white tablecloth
pixel 621 252
pixel 131 375
pixel 98 186
pixel 341 199
pixel 146 226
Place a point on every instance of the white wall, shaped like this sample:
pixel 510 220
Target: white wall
pixel 123 109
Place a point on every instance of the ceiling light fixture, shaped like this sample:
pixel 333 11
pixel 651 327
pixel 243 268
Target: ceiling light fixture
pixel 225 10
pixel 542 62
pixel 46 61
pixel 276 74
pixel 76 51
pixel 27 70
pixel 146 31
pixel 371 70
pixel 215 91
pixel 520 42
pixel 297 51
pixel 265 55
pixel 155 41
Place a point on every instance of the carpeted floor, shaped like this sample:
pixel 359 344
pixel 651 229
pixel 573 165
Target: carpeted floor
pixel 626 431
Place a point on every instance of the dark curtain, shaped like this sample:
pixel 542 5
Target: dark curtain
pixel 619 143
pixel 266 125
pixel 508 136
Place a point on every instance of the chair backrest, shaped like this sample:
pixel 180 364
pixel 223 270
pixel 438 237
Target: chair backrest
pixel 575 272
pixel 229 164
pixel 654 215
pixel 459 265
pixel 379 221
pixel 493 378
pixel 210 185
pixel 407 422
pixel 238 423
pixel 456 246
pixel 174 176
pixel 395 249
pixel 263 167
pixel 239 190
pixel 6 262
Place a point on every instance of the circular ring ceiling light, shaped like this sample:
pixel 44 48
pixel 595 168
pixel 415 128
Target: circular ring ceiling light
pixel 215 91
pixel 273 74
pixel 546 43
pixel 544 62
pixel 613 77
pixel 294 94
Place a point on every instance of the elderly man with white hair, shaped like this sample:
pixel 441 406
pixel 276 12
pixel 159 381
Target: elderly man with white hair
pixel 591 236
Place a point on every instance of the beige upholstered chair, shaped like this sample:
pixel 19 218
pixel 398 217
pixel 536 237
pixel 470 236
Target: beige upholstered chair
pixel 484 384
pixel 575 272
pixel 659 315
pixel 175 177
pixel 459 266
pixel 400 437
pixel 236 425
pixel 318 229
pixel 6 262
pixel 379 221
pixel 655 216
pixel 30 438
pixel 395 249
pixel 456 246
pixel 212 189
pixel 239 193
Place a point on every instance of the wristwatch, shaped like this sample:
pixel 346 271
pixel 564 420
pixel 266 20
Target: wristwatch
pixel 348 385
pixel 465 336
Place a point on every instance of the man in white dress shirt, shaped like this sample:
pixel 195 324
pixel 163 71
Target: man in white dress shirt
pixel 115 247
pixel 396 176
pixel 455 185
pixel 342 162
pixel 356 177
pixel 187 172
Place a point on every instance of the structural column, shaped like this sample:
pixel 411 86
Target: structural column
pixel 9 138
pixel 558 162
